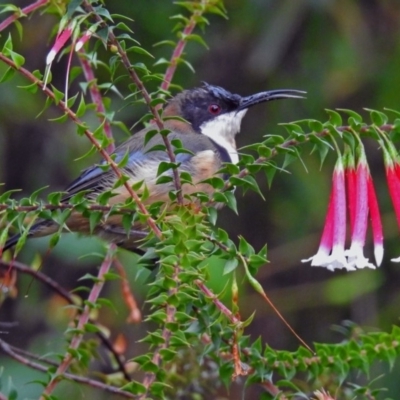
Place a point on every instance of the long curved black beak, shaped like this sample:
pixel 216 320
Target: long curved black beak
pixel 261 97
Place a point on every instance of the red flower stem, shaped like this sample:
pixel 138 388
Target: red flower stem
pixel 361 212
pixel 83 320
pixel 339 196
pixel 178 51
pixel 96 98
pixel 394 190
pixel 351 187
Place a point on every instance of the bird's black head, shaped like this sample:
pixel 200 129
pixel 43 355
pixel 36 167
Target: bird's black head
pixel 207 103
pixel 217 113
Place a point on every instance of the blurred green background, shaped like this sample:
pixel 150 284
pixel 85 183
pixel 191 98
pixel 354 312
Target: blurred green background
pixel 344 53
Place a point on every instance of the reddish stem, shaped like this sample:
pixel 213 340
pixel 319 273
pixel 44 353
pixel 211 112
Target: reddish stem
pixel 359 230
pixel 97 98
pixel 16 355
pixel 83 320
pixel 394 190
pixel 351 187
pixel 178 51
pixel 27 10
pixel 135 316
pixel 225 310
pixel 339 199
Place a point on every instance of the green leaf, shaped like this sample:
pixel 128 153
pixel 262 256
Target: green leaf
pixel 81 108
pixel 334 117
pixel 60 119
pixel 124 160
pixel 230 266
pixel 124 27
pixel 72 6
pixel 378 118
pixel 315 126
pixel 55 198
pixel 94 219
pixel 140 50
pixel 134 387
pixel 165 166
pixel 10 72
pixel 188 64
pixel 6 195
pixel 18 59
pixel 355 119
pixel 295 130
pixel 244 247
pixel 321 145
pixel 54 239
pixel 196 38
pixel 91 328
pixel 58 95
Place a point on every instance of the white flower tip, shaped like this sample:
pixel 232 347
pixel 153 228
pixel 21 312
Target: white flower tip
pixel 378 252
pixel 78 45
pixel 50 56
pixel 395 259
pixel 86 36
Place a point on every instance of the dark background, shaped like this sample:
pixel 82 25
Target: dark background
pixel 344 53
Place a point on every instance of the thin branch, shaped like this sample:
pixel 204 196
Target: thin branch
pixel 145 94
pixel 63 206
pixel 54 286
pixel 135 316
pixel 83 320
pixel 7 349
pixel 273 390
pixel 25 11
pixel 150 221
pixel 225 310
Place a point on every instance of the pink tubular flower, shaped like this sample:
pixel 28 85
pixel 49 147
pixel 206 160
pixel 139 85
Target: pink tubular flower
pixel 326 243
pixel 393 179
pixel 59 43
pixel 361 201
pixel 331 253
pixel 83 39
pixel 359 231
pixel 337 259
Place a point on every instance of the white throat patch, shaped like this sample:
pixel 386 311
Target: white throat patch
pixel 223 129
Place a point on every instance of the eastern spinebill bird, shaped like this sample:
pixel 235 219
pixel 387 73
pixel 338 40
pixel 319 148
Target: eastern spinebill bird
pixel 210 119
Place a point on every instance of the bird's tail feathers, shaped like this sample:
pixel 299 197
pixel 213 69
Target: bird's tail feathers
pixel 11 242
pixel 42 228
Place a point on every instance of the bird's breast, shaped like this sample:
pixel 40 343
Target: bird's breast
pixel 203 165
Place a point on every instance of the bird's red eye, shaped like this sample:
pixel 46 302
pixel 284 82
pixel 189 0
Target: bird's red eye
pixel 214 109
